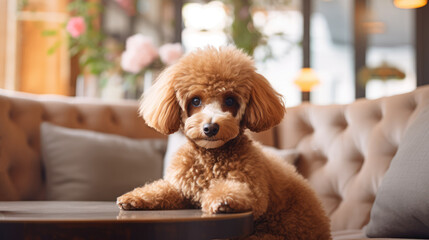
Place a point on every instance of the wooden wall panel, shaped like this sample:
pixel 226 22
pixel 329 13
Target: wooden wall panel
pixel 3 11
pixel 39 72
pixel 422 48
pixel 360 43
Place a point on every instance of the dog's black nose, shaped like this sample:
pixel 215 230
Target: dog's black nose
pixel 210 129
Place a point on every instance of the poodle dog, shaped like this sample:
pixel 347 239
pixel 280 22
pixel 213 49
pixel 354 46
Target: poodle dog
pixel 213 95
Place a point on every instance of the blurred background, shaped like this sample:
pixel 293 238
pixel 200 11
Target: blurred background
pixel 323 51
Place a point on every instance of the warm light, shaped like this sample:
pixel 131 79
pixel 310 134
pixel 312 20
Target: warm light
pixel 306 80
pixel 407 4
pixel 205 17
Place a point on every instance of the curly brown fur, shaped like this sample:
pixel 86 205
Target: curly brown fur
pixel 224 170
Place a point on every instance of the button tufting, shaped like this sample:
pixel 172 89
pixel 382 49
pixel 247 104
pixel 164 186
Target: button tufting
pixel 378 115
pixel 358 158
pixel 307 127
pixel 303 122
pixel 371 198
pixel 338 197
pixel 413 104
pixel 319 156
pixel 342 124
pixel 44 116
pixel 114 119
pixel 310 130
pixel 80 118
pixel 30 141
pixel 11 115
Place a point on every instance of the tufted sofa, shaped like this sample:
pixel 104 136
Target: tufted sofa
pixel 345 149
pixel 21 170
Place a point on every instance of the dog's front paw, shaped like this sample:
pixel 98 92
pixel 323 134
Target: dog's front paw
pixel 129 202
pixel 223 205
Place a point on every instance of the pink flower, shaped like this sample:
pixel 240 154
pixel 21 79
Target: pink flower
pixel 131 62
pixel 76 26
pixel 170 53
pixel 139 53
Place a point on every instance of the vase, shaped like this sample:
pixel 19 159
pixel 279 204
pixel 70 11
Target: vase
pixel 135 85
pixel 87 86
pixel 150 76
pixel 113 88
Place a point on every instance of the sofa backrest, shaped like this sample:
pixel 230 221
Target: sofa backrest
pixel 346 149
pixel 21 165
pixel 21 170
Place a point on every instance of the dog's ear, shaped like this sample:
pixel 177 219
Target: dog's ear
pixel 265 108
pixel 159 107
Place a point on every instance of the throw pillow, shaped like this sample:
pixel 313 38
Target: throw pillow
pixel 176 140
pixel 401 207
pixel 87 165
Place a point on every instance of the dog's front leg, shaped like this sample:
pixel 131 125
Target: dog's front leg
pixel 225 196
pixel 157 195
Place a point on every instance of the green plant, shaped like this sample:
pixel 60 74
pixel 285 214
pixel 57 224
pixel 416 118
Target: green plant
pixel 244 34
pixel 90 44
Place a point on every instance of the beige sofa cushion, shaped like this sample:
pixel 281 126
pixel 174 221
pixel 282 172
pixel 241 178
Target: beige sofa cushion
pixel 354 234
pixel 346 149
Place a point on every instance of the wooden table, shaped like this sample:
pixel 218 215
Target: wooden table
pixel 104 220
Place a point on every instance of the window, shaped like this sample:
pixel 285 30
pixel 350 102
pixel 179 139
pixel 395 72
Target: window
pixel 390 46
pixel 332 51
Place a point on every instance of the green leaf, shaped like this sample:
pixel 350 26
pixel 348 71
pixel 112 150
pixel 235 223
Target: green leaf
pixel 54 47
pixel 74 50
pixel 48 33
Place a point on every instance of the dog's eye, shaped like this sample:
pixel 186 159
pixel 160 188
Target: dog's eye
pixel 196 101
pixel 229 101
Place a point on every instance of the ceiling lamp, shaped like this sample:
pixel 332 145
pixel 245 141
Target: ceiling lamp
pixel 407 4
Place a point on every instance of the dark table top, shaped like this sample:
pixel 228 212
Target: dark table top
pixel 104 220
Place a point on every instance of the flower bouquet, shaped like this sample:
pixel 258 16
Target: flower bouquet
pixel 142 62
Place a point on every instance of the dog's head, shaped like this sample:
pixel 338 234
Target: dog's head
pixel 212 94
